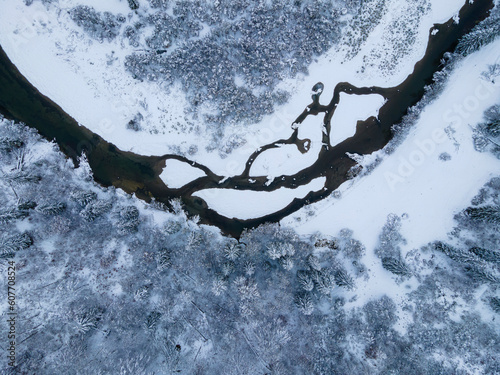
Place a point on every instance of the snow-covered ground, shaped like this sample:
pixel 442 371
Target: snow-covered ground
pixel 88 79
pixel 287 159
pixel 242 204
pixel 176 173
pixel 351 109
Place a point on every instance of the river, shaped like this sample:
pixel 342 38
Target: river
pixel 133 173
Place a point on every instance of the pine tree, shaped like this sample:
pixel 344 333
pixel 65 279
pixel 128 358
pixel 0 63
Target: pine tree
pixel 343 279
pixel 20 177
pixel 88 320
pixel 7 216
pixel 304 303
pixel 495 304
pixel 83 198
pixel 305 280
pixel 457 255
pixel 51 208
pixel 233 251
pixel 163 258
pixel 219 286
pixel 487 255
pixel 249 268
pixel 10 244
pixel 287 262
pixel 279 249
pixel 152 320
pixel 489 214
pixel 481 35
pixel 95 209
pixel 325 283
pixel 313 262
pixel 133 4
pixel 481 274
pixel 128 221
pixel 26 205
pixel 396 266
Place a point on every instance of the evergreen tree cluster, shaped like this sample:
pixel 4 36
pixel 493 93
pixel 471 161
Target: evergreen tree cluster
pixel 487 134
pixel 475 241
pixel 100 26
pixel 389 248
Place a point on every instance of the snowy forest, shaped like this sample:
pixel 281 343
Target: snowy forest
pixel 108 284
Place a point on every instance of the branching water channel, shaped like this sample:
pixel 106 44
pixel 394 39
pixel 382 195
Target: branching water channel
pixel 138 174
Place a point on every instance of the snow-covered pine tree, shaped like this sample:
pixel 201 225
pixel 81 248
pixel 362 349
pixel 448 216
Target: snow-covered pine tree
pixel 482 34
pixel 492 124
pixel 51 208
pixel 12 214
pixel 343 279
pixel 304 303
pixel 495 304
pixel 396 266
pixel 481 273
pixel 95 209
pixel 10 244
pixel 486 254
pixel 489 214
pixel 325 282
pixel 83 198
pixel 133 4
pixel 128 220
pixel 305 280
pixel 20 177
pixel 454 253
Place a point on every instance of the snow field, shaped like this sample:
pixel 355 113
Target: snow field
pixel 246 204
pixel 176 173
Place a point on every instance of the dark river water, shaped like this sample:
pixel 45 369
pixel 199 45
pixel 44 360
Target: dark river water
pixel 20 101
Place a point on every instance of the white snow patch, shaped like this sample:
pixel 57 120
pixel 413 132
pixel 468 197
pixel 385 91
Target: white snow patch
pixel 177 173
pixel 350 110
pixel 245 204
pixel 116 290
pixel 287 159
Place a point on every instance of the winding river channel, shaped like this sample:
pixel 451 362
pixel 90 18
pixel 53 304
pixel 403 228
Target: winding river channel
pixel 133 173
